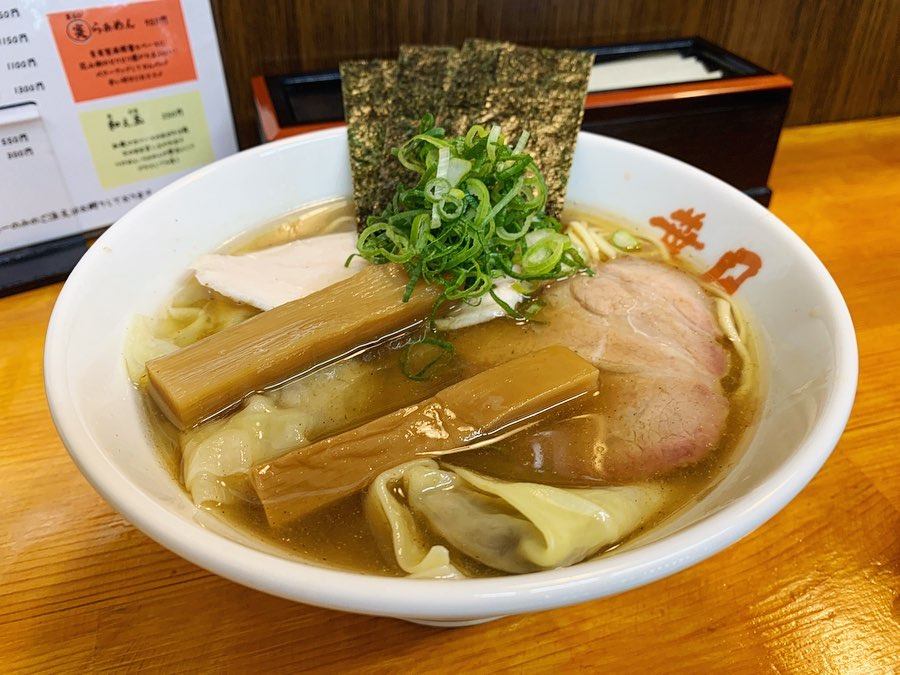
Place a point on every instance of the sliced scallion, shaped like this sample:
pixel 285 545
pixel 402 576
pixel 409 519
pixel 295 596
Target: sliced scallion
pixel 624 241
pixel 475 214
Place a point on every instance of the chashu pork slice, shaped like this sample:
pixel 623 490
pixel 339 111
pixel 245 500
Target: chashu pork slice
pixel 652 332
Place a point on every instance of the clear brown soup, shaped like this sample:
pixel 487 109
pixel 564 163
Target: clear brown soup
pixel 338 535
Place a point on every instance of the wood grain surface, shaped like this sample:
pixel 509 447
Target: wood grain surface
pixel 841 54
pixel 814 590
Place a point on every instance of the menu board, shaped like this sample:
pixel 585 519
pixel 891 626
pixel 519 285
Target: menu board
pixel 101 105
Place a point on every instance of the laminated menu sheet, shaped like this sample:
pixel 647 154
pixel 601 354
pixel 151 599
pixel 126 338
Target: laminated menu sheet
pixel 101 105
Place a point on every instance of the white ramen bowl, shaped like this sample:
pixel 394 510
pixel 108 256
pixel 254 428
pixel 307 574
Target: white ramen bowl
pixel 798 315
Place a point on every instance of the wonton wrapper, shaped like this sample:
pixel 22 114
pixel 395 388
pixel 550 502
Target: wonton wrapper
pixel 513 527
pixel 389 517
pixel 219 450
pixel 267 426
pixel 184 321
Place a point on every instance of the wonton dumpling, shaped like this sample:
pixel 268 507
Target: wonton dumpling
pixel 523 527
pixel 386 513
pixel 266 427
pixel 141 345
pixel 219 450
pixel 186 320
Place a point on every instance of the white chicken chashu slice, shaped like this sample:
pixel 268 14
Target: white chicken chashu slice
pixel 273 276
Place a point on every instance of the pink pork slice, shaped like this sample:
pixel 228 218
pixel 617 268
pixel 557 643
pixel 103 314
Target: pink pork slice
pixel 652 332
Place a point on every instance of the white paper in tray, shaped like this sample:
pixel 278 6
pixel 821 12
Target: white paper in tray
pixel 651 69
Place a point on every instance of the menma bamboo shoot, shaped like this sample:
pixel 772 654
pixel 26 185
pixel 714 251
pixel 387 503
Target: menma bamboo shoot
pixel 488 403
pixel 200 380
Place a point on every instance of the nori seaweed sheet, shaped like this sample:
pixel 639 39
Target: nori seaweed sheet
pixel 470 85
pixel 367 90
pixel 422 76
pixel 453 63
pixel 519 88
pixel 542 91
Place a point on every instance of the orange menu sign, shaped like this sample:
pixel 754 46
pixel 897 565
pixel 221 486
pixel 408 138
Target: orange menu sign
pixel 119 49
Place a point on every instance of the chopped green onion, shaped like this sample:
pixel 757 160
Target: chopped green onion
pixel 533 308
pixel 418 351
pixel 625 241
pixel 493 137
pixel 508 236
pixel 435 189
pixel 545 255
pixel 443 165
pixel 520 146
pixel 457 170
pixel 450 207
pixel 523 287
pixel 476 213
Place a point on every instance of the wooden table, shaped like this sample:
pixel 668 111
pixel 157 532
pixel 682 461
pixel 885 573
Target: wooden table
pixel 816 589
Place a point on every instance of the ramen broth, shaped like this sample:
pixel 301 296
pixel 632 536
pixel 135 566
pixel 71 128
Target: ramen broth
pixel 338 535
